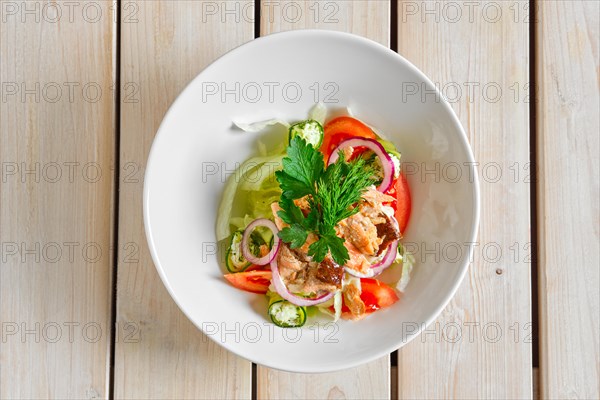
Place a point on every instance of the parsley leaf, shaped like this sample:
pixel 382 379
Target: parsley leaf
pixel 294 234
pixel 318 250
pixel 290 213
pixel 312 219
pixel 292 188
pixel 329 241
pixel 301 169
pixel 339 252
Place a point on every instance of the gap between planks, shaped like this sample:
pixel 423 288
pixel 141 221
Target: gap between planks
pixel 117 182
pixel 535 361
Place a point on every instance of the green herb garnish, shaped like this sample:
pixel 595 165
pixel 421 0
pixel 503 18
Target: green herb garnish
pixel 332 193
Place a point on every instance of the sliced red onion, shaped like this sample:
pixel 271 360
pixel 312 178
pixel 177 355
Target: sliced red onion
pixel 246 237
pixel 389 257
pixel 377 148
pixel 378 268
pixel 292 298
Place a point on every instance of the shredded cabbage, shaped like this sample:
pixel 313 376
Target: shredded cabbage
pixel 337 305
pixel 336 302
pixel 255 127
pixel 407 261
pixel 318 112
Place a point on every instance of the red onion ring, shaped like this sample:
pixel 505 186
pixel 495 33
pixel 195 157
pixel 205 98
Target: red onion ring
pixel 378 268
pixel 276 242
pixel 292 298
pixel 377 148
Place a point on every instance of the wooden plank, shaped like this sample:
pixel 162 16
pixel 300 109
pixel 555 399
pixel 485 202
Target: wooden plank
pixel 568 123
pixel 164 45
pixel 478 54
pixel 56 198
pixel 370 19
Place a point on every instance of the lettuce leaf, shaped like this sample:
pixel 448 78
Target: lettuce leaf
pixel 318 112
pixel 238 178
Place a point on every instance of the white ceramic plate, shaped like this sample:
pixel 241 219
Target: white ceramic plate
pixel 282 75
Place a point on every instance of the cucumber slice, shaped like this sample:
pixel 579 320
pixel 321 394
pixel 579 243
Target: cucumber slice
pixel 310 130
pixel 234 259
pixel 285 314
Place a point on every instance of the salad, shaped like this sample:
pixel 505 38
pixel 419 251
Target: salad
pixel 314 221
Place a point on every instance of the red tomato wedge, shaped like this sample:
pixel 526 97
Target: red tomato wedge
pixel 403 205
pixel 401 191
pixel 252 281
pixel 376 294
pixel 339 129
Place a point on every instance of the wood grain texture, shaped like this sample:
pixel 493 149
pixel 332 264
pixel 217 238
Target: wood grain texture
pixel 480 346
pixel 370 19
pixel 370 381
pixel 164 46
pixel 56 197
pixel 568 129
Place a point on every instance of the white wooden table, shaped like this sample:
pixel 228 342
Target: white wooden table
pixel 84 86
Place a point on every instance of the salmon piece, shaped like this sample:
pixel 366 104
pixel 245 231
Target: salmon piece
pixel 368 232
pixel 288 263
pixel 310 239
pixel 358 261
pixel 303 276
pixel 278 221
pixel 361 232
pixel 373 213
pixel 302 203
pixel 353 301
pixel 375 197
pixel 372 205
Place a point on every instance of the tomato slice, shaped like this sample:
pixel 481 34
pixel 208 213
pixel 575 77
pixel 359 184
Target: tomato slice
pixel 403 205
pixel 376 294
pixel 401 191
pixel 251 281
pixel 339 129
